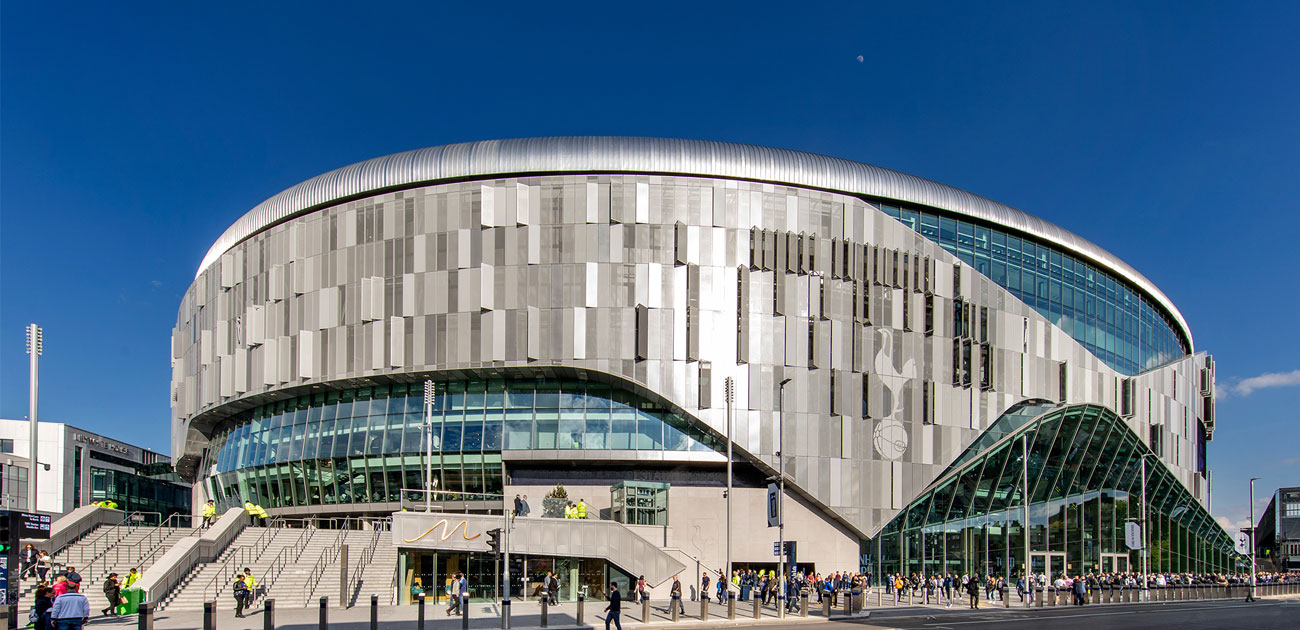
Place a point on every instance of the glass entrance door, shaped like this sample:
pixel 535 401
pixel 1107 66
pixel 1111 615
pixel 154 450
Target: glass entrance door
pixel 1048 565
pixel 1114 563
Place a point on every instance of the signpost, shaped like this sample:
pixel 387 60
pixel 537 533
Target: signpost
pixel 15 526
pixel 1243 543
pixel 1133 535
pixel 773 505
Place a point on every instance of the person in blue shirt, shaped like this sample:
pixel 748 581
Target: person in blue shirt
pixel 71 610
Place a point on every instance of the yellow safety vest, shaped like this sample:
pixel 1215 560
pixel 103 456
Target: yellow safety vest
pixel 581 510
pixel 131 578
pixel 209 510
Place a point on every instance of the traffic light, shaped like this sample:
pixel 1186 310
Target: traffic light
pixel 5 533
pixel 494 540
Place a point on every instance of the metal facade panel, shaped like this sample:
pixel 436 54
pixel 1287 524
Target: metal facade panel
pixel 658 155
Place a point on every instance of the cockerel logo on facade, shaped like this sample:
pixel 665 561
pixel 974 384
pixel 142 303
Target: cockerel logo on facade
pixel 446 533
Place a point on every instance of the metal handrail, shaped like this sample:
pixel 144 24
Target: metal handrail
pixel 267 537
pixel 327 557
pixel 364 559
pixel 291 553
pixel 239 556
pixel 95 543
pixel 413 499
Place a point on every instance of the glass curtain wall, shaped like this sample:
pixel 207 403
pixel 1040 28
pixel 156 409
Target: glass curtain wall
pixel 1084 484
pixel 1115 322
pixel 366 445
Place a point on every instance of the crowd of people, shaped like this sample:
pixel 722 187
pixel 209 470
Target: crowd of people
pixel 58 601
pixel 1080 587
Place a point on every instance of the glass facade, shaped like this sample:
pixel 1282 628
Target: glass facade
pixel 137 493
pixel 1084 484
pixel 366 445
pixel 1112 320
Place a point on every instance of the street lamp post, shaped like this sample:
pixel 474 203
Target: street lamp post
pixel 34 349
pixel 1024 493
pixel 1146 552
pixel 430 396
pixel 1252 537
pixel 730 392
pixel 780 500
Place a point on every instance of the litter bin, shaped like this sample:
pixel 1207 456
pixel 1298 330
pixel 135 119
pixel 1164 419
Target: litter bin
pixel 133 595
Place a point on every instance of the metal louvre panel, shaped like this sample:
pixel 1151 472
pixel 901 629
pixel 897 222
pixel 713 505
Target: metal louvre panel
pixel 661 155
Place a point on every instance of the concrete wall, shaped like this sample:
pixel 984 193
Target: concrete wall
pixel 697 525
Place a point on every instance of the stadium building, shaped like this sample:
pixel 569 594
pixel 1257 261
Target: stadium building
pixel 581 303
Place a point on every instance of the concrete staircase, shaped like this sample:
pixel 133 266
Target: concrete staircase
pixel 295 567
pixel 94 556
pixel 254 547
pixel 372 563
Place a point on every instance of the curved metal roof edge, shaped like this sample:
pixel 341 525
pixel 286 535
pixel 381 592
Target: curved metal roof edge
pixel 705 158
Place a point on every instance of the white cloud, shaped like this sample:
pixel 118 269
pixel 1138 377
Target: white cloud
pixel 1275 379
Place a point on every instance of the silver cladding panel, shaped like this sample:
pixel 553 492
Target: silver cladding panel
pixel 661 155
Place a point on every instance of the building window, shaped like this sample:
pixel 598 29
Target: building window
pixel 1292 510
pixel 76 478
pixel 6 446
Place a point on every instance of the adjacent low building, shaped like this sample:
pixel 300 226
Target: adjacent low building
pixel 1277 535
pixel 920 361
pixel 77 467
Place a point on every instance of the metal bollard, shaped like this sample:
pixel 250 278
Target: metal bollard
pixel 826 607
pixel 505 614
pixel 674 606
pixel 545 604
pixel 704 608
pixel 582 602
pixel 645 610
pixel 758 608
pixel 910 592
pixel 8 613
pixel 325 613
pixel 146 616
pixel 848 604
pixel 209 616
pixel 464 611
pixel 803 605
pixel 419 620
pixel 374 613
pixel 731 606
pixel 1006 601
pixel 268 614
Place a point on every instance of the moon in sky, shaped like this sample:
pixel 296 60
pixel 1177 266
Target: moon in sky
pixel 860 59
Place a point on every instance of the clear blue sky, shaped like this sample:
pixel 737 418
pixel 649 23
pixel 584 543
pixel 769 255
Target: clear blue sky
pixel 131 136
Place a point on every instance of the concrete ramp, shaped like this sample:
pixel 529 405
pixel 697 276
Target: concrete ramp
pixel 585 538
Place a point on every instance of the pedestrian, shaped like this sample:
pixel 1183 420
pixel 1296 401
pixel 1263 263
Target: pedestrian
pixel 251 583
pixel 456 593
pixel 39 616
pixel 113 593
pixel 209 513
pixel 240 591
pixel 60 585
pixel 704 586
pixel 132 577
pixel 525 510
pixel 73 576
pixel 973 589
pixel 519 508
pixel 71 610
pixel 641 594
pixel 28 559
pixel 614 608
pixel 676 594
pixel 722 587
pixel 43 566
